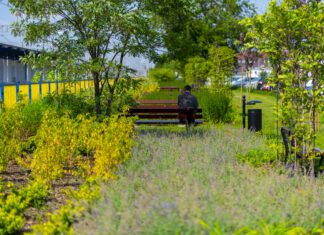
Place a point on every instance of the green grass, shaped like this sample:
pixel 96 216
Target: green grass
pixel 166 95
pixel 268 114
pixel 179 183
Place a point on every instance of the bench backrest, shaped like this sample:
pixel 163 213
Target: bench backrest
pixel 160 112
pixel 169 88
pixel 157 102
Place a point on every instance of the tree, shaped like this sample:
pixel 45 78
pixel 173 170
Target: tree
pixel 222 60
pixel 89 35
pixel 291 33
pixel 197 70
pixel 191 27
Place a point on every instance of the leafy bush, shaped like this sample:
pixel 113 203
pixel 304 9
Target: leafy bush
pixel 13 205
pixel 83 147
pixel 216 107
pixel 68 102
pixel 258 157
pixel 197 70
pixel 60 222
pixel 162 75
pixel 11 132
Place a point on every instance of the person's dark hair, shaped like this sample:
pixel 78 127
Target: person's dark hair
pixel 187 88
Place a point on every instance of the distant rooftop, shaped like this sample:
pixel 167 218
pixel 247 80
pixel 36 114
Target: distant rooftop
pixel 13 52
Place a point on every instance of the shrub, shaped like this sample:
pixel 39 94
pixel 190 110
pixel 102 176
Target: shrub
pixel 258 157
pixel 14 204
pixel 75 104
pixel 162 75
pixel 216 107
pixel 10 135
pixel 197 70
pixel 83 147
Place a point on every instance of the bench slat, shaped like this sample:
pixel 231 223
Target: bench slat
pixel 157 102
pixel 169 88
pixel 160 109
pixel 162 122
pixel 163 116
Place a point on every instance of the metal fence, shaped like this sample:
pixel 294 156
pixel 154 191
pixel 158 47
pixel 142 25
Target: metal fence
pixel 11 94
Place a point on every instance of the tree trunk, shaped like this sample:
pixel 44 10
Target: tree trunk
pixel 109 102
pixel 95 76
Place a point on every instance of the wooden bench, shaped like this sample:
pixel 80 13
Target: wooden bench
pixel 169 88
pixel 160 112
pixel 157 102
pixel 290 144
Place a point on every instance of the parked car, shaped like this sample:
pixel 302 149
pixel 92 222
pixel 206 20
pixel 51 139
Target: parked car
pixel 261 83
pixel 253 84
pixel 267 87
pixel 239 81
pixel 234 79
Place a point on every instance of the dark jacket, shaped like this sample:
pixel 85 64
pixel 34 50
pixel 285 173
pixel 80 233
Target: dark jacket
pixel 187 100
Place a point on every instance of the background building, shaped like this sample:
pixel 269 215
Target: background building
pixel 11 70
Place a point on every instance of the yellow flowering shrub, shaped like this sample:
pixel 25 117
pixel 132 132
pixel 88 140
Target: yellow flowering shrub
pixel 112 143
pixel 80 146
pixel 147 86
pixel 55 143
pixel 10 135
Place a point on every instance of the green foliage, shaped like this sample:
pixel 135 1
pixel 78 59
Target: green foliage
pixel 162 75
pixel 197 70
pixel 216 106
pixel 61 221
pixel 13 205
pixel 123 96
pixel 37 76
pixel 74 104
pixel 222 60
pixel 11 135
pixel 258 156
pixel 99 28
pixel 192 27
pixel 283 32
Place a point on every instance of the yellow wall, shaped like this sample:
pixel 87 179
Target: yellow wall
pixel 9 95
pixel 23 90
pixel 10 90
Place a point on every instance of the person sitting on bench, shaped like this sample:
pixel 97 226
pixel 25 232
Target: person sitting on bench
pixel 189 104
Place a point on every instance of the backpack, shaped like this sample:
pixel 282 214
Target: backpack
pixel 187 101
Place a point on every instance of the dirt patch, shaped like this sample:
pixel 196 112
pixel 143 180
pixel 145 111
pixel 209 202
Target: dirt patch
pixel 57 197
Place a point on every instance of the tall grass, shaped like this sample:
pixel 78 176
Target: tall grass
pixel 178 183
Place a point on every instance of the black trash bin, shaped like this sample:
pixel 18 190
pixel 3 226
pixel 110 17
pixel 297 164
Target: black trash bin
pixel 255 119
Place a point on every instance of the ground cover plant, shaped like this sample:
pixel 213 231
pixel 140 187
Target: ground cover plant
pixel 52 151
pixel 179 183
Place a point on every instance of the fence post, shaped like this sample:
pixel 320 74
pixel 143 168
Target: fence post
pixel 2 92
pixel 49 87
pixel 243 110
pixel 29 92
pixel 40 88
pixel 17 92
pixel 57 87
